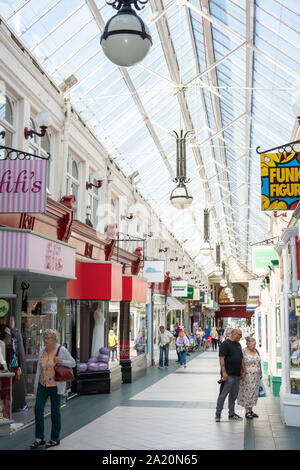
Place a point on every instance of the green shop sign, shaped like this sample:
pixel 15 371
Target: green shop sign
pixel 262 256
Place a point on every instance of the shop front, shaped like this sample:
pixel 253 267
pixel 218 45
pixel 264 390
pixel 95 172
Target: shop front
pixel 288 251
pixel 34 272
pixel 134 328
pixel 95 305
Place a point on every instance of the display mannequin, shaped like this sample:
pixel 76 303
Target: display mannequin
pixel 98 333
pixel 18 365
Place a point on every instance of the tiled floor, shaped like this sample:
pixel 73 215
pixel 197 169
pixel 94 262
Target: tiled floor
pixel 168 409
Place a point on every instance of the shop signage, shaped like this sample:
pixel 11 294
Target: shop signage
pixel 280 178
pixel 261 258
pixel 4 307
pixel 25 250
pixel 23 186
pixel 179 288
pixel 297 307
pixel 154 271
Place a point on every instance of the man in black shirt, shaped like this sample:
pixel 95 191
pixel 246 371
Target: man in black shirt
pixel 232 370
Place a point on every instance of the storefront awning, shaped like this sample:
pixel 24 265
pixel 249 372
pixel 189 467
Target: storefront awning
pixel 96 281
pixel 134 289
pixel 174 304
pixel 26 251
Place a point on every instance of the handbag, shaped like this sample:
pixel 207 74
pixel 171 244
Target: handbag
pixel 262 390
pixel 63 373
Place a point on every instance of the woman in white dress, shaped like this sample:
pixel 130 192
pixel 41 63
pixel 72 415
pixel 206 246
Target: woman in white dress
pixel 249 385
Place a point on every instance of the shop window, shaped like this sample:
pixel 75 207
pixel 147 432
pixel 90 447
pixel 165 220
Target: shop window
pixel 94 203
pixel 7 122
pixel 97 335
pixel 73 181
pixel 42 146
pixel 294 340
pixel 137 329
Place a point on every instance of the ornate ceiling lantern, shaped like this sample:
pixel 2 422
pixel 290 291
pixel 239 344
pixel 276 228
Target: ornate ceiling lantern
pixel 180 197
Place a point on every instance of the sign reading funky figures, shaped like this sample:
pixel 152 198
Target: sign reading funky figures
pixel 23 186
pixel 280 178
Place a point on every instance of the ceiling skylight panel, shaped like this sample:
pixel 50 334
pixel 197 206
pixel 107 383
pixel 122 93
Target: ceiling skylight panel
pixel 273 51
pixel 228 19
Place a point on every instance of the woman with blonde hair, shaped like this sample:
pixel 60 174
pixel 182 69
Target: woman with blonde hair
pixel 249 385
pixel 45 386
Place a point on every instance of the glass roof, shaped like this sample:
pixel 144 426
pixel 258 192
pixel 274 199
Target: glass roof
pixel 227 70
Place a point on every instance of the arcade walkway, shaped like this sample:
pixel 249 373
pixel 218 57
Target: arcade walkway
pixel 167 409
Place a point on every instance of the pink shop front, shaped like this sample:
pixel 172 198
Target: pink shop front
pixel 34 272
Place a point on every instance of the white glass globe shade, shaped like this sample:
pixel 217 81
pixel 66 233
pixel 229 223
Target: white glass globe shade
pixel 206 249
pixel 180 198
pixel 231 299
pixel 223 283
pixel 228 290
pixel 43 119
pixel 126 49
pixel 218 271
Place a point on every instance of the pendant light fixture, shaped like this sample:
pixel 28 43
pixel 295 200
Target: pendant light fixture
pixel 49 302
pixel 223 282
pixel 126 40
pixel 219 270
pixel 180 197
pixel 206 248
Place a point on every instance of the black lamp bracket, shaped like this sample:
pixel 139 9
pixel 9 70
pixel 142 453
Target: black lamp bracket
pixel 285 148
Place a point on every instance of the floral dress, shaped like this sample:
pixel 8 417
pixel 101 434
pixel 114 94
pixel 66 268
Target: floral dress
pixel 249 385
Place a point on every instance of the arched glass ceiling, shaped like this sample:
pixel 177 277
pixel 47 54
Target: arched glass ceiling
pixel 224 69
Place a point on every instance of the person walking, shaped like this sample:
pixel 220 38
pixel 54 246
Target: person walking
pixel 207 334
pixel 140 343
pixel 45 386
pixel 112 344
pixel 214 337
pixel 249 385
pixel 165 338
pixel 182 344
pixel 232 370
pixel 176 334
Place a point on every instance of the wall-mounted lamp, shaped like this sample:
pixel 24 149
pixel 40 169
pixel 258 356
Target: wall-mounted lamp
pixel 189 272
pixel 43 121
pixel 129 217
pixel 280 215
pixel 97 186
pixel 174 259
pixel 163 250
pixel 148 235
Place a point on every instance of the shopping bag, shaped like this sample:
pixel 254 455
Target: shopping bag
pixel 209 340
pixel 262 390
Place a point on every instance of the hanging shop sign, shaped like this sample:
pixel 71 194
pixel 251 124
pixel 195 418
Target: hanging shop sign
pixel 179 288
pixel 193 293
pixel 23 186
pixel 280 178
pixel 4 307
pixel 297 306
pixel 22 250
pixel 154 271
pixel 261 258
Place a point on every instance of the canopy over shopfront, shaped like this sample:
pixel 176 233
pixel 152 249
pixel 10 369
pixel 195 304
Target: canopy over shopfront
pixel 96 280
pixel 174 304
pixel 134 289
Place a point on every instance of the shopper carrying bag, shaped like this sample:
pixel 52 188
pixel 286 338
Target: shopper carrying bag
pixel 48 383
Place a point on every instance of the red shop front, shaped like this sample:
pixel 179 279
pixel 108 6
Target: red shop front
pixel 133 328
pixel 95 298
